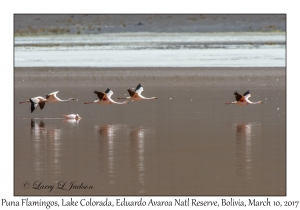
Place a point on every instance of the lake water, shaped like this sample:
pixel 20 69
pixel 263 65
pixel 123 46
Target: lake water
pixel 187 142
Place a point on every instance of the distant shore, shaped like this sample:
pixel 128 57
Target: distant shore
pixel 213 77
pixel 96 24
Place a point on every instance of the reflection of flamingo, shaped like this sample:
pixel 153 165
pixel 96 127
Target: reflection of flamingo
pixel 46 148
pixel 36 126
pixel 73 123
pixel 135 94
pixel 109 132
pixel 39 100
pixel 37 129
pixel 51 97
pixel 105 98
pixel 72 116
pixel 245 132
pixel 137 136
pixel 243 100
pixel 38 135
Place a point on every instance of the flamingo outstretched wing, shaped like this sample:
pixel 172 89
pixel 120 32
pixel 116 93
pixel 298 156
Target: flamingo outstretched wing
pixel 33 106
pixel 247 94
pixel 238 96
pixel 42 104
pixel 109 92
pixel 131 92
pixel 139 89
pixel 99 94
pixel 51 95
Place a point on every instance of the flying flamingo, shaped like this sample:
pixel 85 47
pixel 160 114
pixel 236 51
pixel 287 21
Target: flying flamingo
pixel 243 99
pixel 72 116
pixel 105 98
pixel 51 97
pixel 39 100
pixel 135 94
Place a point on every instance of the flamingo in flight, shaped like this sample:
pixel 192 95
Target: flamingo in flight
pixel 51 97
pixel 105 98
pixel 72 116
pixel 135 94
pixel 39 100
pixel 243 99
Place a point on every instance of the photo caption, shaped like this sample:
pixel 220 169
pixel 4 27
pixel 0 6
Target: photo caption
pixel 121 202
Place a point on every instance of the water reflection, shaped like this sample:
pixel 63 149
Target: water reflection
pixel 107 135
pixel 37 129
pixel 73 123
pixel 111 139
pixel 38 135
pixel 245 133
pixel 137 142
pixel 46 147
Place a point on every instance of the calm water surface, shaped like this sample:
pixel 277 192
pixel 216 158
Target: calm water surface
pixel 187 142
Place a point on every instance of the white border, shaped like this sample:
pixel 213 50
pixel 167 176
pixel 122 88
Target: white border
pixel 155 6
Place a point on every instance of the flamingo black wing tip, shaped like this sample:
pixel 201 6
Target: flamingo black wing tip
pixel 246 93
pixel 32 108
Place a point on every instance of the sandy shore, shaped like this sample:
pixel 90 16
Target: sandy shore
pixel 160 77
pixel 95 24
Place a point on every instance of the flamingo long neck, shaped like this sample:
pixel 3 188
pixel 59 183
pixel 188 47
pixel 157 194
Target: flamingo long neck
pixel 258 102
pixel 125 98
pixel 70 99
pixel 24 101
pixel 148 98
pixel 231 102
pixel 124 102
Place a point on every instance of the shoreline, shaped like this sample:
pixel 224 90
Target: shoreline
pixel 214 77
pixel 96 24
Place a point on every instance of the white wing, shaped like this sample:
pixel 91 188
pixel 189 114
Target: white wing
pixel 36 100
pixel 139 89
pixel 109 93
pixel 52 95
pixel 247 95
